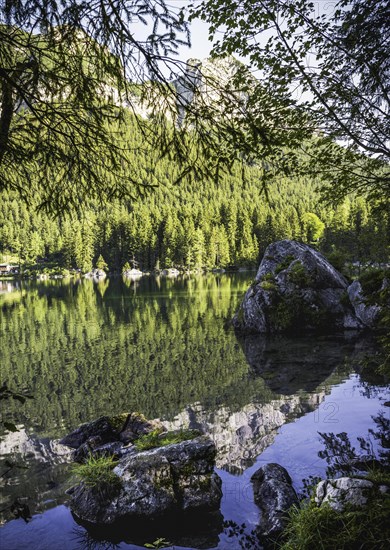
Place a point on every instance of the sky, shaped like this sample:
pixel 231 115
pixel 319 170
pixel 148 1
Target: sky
pixel 200 44
pixel 200 47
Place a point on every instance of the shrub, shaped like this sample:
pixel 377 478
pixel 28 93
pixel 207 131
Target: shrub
pixel 372 279
pixel 284 263
pixel 299 276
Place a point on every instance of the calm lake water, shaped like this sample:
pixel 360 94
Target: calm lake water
pixel 165 347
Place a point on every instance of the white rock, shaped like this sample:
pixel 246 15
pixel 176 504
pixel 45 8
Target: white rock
pixel 343 491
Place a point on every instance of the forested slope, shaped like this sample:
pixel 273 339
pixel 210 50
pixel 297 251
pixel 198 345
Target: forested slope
pixel 195 224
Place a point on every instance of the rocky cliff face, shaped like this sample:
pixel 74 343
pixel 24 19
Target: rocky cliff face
pixel 199 86
pixel 296 290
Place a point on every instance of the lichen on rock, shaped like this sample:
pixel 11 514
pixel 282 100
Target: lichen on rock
pixel 346 491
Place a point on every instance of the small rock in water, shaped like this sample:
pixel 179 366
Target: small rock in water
pixel 274 494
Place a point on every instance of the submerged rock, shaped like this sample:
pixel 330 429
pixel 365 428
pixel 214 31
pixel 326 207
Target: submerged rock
pixel 296 289
pixel 145 484
pixel 274 494
pixel 96 274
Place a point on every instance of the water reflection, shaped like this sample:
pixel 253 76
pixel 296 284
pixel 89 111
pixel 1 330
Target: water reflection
pixel 161 346
pixel 290 365
pixel 241 433
pixel 199 531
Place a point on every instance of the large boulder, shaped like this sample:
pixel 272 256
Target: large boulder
pixel 166 480
pixel 156 472
pixel 296 289
pixel 274 494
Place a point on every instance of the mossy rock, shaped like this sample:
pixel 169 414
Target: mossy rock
pixel 299 276
pixel 118 421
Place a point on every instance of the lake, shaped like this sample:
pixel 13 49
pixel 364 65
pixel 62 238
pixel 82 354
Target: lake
pixel 165 347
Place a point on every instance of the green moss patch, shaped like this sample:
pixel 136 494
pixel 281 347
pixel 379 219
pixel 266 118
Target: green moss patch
pixel 118 421
pixel 284 264
pixel 269 286
pixel 156 439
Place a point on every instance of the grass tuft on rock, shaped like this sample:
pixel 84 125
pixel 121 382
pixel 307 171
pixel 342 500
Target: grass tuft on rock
pixel 97 471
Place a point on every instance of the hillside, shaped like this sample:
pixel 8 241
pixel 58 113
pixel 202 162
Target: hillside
pixel 198 223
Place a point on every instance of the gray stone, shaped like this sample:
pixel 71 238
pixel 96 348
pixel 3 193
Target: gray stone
pixel 186 85
pixel 137 425
pixel 109 435
pixel 274 495
pixel 295 288
pixel 338 493
pixel 94 446
pixel 101 428
pixel 96 274
pixel 178 477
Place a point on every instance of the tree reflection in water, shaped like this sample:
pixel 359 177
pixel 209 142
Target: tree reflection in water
pixel 374 453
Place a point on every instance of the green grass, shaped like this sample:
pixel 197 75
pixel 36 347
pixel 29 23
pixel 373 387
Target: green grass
pixel 379 476
pixel 97 471
pixel 325 529
pixel 156 439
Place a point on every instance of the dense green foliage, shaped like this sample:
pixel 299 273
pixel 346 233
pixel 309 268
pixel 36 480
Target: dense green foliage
pixel 66 71
pixel 196 224
pixel 323 70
